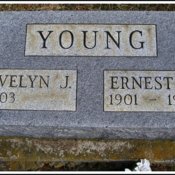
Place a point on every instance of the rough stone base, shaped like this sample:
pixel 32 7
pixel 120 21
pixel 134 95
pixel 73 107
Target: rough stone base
pixel 60 154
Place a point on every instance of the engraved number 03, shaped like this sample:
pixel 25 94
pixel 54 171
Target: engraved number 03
pixel 7 97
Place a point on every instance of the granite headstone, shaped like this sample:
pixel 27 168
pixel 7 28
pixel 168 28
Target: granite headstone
pixel 87 74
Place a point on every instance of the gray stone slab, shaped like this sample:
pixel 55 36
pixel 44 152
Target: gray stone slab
pixel 89 120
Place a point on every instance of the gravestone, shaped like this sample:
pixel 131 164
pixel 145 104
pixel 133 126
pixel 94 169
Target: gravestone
pixel 87 74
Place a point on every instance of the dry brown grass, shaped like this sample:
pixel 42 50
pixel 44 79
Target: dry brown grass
pixel 143 7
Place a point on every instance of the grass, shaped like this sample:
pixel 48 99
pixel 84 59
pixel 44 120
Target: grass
pixel 131 7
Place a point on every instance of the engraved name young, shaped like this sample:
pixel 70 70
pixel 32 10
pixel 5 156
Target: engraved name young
pixel 91 40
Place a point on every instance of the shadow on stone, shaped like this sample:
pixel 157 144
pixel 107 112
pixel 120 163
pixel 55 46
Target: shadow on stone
pixel 91 166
